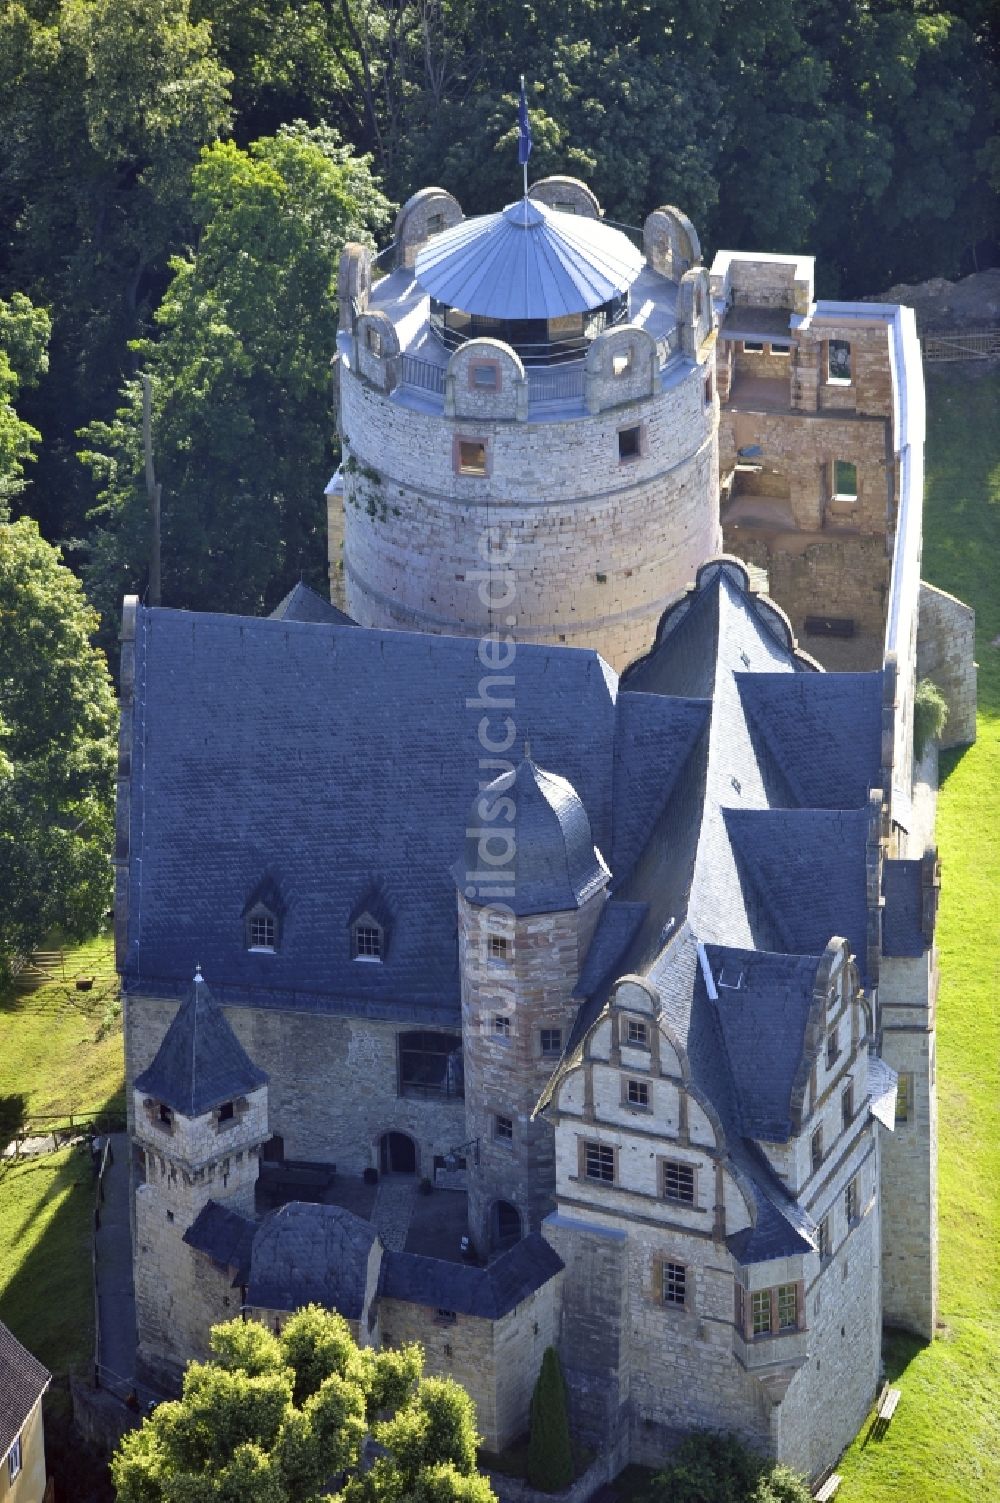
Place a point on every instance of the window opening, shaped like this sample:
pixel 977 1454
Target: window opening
pixel 674 1287
pixel 621 364
pixel 501 1025
pixel 367 942
pixel 760 1312
pixel 471 457
pixel 851 1201
pixel 753 347
pixel 839 360
pixel 551 1040
pixel 226 1112
pixel 845 480
pixel 498 947
pixel 629 445
pixel 638 1093
pixel 430 1064
pixel 816 1148
pixel 904 1097
pixel 636 1032
pixel 832 1047
pixel 825 1244
pixel 503 1128
pixel 435 224
pixel 14 1460
pixel 486 376
pixel 599 1162
pixel 373 339
pixel 678 1183
pixel 847 1106
pixel 788 1307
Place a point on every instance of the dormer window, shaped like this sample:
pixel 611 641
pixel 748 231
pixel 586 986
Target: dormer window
pixel 367 940
pixel 262 930
pixel 165 1115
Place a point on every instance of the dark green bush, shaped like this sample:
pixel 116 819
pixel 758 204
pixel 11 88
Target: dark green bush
pixel 930 711
pixel 712 1468
pixel 550 1454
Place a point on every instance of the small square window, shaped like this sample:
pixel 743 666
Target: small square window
pixel 781 350
pixel 471 457
pixel 263 932
pixel 753 347
pixel 636 1033
pixel 904 1097
pixel 498 947
pixel 788 1307
pixel 847 1106
pixel 485 376
pixel 503 1129
pixel 373 339
pixel 845 480
pixel 760 1312
pixel 551 1040
pixel 501 1025
pixel 851 1201
pixel 621 363
pixel 674 1284
pixel 629 443
pixel 832 1047
pixel 14 1460
pixel 367 942
pixel 435 224
pixel 678 1182
pixel 226 1112
pixel 838 360
pixel 599 1162
pixel 709 389
pixel 816 1149
pixel 638 1093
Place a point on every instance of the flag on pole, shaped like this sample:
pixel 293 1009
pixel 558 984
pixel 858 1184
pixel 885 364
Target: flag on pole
pixel 524 126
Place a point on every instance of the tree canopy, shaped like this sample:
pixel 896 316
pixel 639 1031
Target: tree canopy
pixel 284 1419
pixel 57 749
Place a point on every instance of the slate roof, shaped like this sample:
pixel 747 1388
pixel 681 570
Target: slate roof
pixel 304 1253
pixel 762 1006
pixel 489 1292
pixel 303 604
pixel 329 759
pixel 552 865
pixel 902 915
pixel 823 732
pixel 527 262
pixel 23 1380
pixel 200 1063
pixel 224 1236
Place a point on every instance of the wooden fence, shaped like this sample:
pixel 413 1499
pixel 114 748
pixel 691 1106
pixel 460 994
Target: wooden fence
pixel 967 344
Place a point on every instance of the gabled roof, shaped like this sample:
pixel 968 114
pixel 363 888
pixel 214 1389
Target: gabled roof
pixel 489 1293
pixel 200 1063
pixel 527 262
pixel 303 604
pixel 23 1380
pixel 823 730
pixel 311 1253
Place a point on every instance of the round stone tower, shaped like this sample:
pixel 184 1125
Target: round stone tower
pixel 529 423
pixel 530 892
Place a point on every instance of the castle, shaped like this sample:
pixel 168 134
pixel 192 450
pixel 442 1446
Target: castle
pixel 544 866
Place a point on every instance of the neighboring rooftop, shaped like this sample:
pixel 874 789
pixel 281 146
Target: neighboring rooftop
pixel 489 1292
pixel 303 604
pixel 23 1380
pixel 304 1254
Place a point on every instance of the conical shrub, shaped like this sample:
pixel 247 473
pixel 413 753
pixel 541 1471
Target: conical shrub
pixel 550 1455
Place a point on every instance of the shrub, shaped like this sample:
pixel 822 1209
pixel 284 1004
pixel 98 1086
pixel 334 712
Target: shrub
pixel 930 711
pixel 713 1468
pixel 550 1454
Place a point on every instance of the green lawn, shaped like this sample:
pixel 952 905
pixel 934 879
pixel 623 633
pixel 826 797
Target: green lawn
pixel 944 1444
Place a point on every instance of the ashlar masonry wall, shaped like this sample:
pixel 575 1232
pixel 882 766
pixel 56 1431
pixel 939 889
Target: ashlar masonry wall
pixel 333 1086
pixel 946 648
pixel 593 547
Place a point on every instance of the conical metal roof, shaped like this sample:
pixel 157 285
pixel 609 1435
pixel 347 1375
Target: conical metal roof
pixel 528 261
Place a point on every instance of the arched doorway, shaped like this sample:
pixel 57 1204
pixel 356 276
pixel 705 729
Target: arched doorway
pixel 397 1153
pixel 505 1224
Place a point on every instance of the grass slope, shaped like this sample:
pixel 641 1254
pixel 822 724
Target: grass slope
pixel 944 1443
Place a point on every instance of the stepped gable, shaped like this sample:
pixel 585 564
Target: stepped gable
pixel 200 1063
pixel 303 604
pixel 304 1254
pixel 23 1380
pixel 489 1293
pixel 554 864
pixel 335 760
pixel 224 1236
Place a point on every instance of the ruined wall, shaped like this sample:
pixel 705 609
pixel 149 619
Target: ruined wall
pixel 946 647
pixel 595 547
pixel 333 1082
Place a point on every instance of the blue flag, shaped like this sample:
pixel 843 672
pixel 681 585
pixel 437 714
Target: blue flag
pixel 524 126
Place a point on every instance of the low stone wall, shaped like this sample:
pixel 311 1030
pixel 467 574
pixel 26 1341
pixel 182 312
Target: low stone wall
pixel 946 647
pixel 101 1418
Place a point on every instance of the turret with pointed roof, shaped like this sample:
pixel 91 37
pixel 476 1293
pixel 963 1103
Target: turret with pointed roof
pixel 200 1063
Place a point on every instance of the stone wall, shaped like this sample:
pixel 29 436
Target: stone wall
pixel 594 548
pixel 907 1004
pixel 333 1082
pixel 946 648
pixel 496 1362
